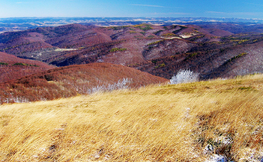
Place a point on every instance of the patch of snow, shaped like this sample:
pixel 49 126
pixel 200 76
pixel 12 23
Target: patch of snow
pixel 187 113
pixel 224 140
pixel 35 156
pixel 96 156
pixel 62 49
pixel 187 35
pixel 171 37
pixel 155 120
pixel 61 129
pixel 216 158
pixel 208 149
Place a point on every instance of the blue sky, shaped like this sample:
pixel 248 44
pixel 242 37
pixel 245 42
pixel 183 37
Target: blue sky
pixel 132 8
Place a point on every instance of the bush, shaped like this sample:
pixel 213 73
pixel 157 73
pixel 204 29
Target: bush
pixel 19 64
pixel 121 84
pixel 169 35
pixel 184 76
pixel 161 65
pixel 156 42
pixel 3 63
pixel 118 49
pixel 24 64
pixel 132 32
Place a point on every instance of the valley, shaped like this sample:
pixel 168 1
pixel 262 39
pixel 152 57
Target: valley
pixel 211 50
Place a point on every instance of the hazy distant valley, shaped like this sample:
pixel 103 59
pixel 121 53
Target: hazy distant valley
pixel 18 24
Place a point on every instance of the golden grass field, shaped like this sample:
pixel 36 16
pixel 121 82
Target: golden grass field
pixel 154 123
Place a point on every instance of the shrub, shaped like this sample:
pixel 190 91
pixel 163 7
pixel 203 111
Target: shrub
pixel 160 65
pixel 184 76
pixel 156 42
pixel 24 64
pixel 118 49
pixel 3 63
pixel 154 61
pixel 132 32
pixel 121 84
pixel 192 55
pixel 235 57
pixel 150 37
pixel 143 33
pixel 169 35
pixel 19 64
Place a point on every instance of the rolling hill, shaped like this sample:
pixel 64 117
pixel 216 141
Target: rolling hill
pixel 212 50
pixel 240 60
pixel 74 80
pixel 234 55
pixel 12 67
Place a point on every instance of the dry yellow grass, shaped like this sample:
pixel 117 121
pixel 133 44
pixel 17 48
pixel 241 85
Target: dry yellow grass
pixel 156 123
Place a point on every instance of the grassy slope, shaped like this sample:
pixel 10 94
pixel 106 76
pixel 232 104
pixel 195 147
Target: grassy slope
pixel 171 122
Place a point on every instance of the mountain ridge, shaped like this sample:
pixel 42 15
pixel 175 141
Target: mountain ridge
pixel 159 50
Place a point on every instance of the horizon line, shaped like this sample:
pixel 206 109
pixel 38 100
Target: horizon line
pixel 127 17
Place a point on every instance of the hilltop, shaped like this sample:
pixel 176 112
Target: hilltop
pixel 184 122
pixel 74 80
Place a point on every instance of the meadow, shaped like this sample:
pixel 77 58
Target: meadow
pixel 180 122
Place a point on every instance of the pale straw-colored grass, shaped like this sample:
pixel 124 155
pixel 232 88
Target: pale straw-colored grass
pixel 155 123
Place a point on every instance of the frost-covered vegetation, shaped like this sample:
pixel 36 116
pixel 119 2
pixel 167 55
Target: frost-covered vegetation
pixel 121 84
pixel 184 76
